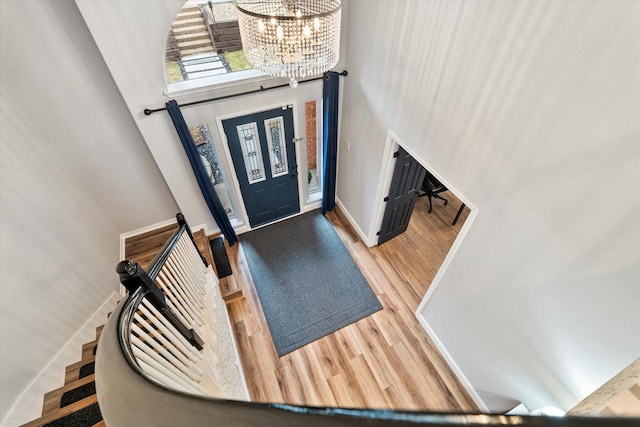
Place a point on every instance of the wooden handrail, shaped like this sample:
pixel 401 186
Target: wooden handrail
pixel 128 397
pixel 133 277
pixel 159 260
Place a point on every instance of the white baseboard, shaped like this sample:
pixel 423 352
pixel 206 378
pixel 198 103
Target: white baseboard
pixel 125 236
pixel 28 406
pixel 317 204
pixel 450 361
pixel 354 224
pixel 207 231
pixel 245 228
pixel 452 364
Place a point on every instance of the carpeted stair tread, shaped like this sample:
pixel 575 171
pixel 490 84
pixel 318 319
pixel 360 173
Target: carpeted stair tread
pixel 79 364
pixel 75 404
pixel 87 418
pixel 220 258
pixel 51 400
pixel 79 369
pixel 78 393
pixel 88 369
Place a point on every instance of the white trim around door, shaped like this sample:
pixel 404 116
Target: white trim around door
pixel 241 212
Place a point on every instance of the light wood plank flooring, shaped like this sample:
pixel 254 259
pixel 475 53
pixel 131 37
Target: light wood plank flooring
pixel 384 361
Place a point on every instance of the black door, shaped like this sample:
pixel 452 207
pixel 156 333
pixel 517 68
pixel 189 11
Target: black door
pixel 264 157
pixel 403 193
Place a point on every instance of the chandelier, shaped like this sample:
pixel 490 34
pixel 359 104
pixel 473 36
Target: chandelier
pixel 290 38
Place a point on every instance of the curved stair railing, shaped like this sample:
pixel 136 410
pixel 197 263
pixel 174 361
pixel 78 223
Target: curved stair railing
pixel 164 360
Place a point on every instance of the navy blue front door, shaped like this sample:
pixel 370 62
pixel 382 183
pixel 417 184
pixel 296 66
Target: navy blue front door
pixel 264 157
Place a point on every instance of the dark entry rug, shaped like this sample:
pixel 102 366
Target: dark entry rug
pixel 308 284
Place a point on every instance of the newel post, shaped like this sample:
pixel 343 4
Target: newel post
pixel 133 276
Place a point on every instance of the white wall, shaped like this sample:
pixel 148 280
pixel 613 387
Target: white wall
pixel 58 252
pixel 75 173
pixel 532 111
pixel 139 44
pixel 526 108
pixel 53 70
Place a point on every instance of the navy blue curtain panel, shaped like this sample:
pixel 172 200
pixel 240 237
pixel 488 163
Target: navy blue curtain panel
pixel 209 193
pixel 330 93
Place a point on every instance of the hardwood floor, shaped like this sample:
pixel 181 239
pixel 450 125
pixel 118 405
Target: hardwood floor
pixel 384 361
pixel 417 254
pixel 144 247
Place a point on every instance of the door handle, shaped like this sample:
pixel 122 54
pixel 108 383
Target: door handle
pixel 294 174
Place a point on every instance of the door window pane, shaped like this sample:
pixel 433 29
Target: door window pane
pixel 274 128
pixel 251 152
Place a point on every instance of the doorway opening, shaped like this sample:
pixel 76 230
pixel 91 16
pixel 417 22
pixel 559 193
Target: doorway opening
pixel 416 233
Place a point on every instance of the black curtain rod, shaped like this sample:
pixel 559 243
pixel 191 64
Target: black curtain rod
pixel 148 112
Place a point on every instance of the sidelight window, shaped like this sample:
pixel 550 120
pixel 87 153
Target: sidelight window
pixel 209 157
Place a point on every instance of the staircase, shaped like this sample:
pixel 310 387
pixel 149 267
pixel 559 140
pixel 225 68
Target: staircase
pixel 191 34
pixel 75 404
pixel 189 42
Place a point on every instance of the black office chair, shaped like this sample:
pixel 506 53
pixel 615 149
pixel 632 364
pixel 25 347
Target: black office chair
pixel 432 188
